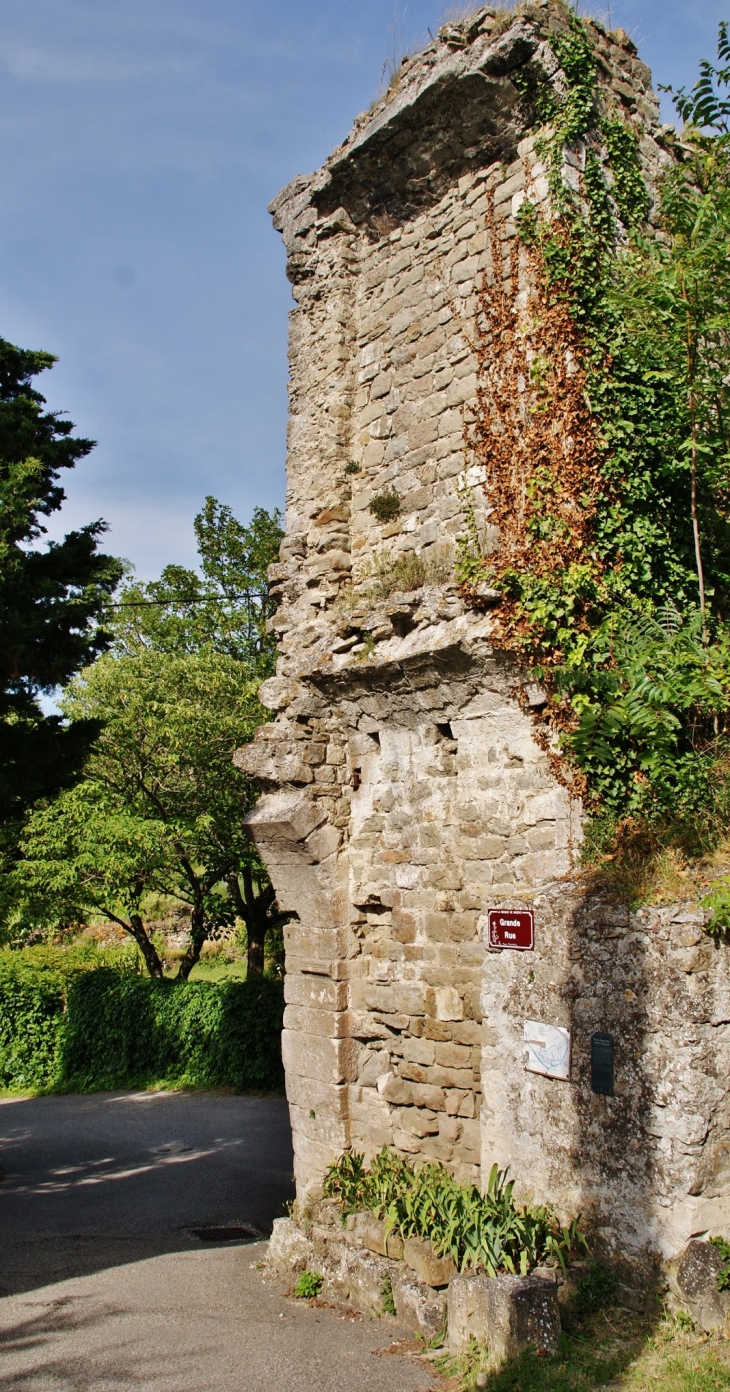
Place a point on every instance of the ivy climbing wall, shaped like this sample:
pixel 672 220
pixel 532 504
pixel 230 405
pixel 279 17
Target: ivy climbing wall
pixel 439 426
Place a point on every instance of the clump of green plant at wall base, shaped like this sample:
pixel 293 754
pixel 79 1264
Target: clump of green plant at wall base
pixel 386 505
pixel 596 1289
pixel 386 1289
pixel 486 1230
pixel 718 901
pixel 309 1285
pixel 723 1275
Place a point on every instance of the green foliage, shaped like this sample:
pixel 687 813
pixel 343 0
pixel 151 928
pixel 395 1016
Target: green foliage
pixel 574 115
pixel 705 106
pixel 488 1230
pixel 386 1290
pixel 225 609
pixel 644 706
pixel 388 573
pixel 33 986
pixel 50 600
pixel 718 900
pixel 723 1275
pixel 647 694
pixel 308 1286
pixel 352 467
pixel 628 189
pixel 66 1027
pixel 161 808
pixel 596 1289
pixel 386 505
pixel 471 564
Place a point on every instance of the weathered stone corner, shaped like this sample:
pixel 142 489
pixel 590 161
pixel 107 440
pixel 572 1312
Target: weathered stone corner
pixel 505 1314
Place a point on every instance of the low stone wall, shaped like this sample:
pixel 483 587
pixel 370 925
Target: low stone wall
pixel 506 1313
pixel 647 1165
pixel 379 1274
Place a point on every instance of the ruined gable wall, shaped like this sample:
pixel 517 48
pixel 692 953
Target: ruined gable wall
pixel 406 792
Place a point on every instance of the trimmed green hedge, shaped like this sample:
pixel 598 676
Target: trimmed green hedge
pixel 70 1029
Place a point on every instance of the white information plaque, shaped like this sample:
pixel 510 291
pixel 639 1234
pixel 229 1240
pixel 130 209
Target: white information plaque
pixel 547 1049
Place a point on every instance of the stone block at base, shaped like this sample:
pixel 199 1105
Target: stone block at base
pixel 289 1250
pixel 508 1314
pixel 355 1276
pixel 418 1253
pixel 418 1306
pixel 696 1280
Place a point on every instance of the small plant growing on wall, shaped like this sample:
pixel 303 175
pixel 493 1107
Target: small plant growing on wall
pixel 385 506
pixel 352 467
pixel 308 1286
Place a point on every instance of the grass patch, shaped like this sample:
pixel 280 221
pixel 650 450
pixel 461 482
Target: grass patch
pixel 637 868
pixel 613 1349
pixel 218 969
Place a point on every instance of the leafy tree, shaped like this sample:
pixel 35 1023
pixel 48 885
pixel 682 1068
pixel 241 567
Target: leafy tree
pixel 648 681
pixel 51 600
pixel 161 807
pixel 224 609
pixel 675 298
pixel 649 715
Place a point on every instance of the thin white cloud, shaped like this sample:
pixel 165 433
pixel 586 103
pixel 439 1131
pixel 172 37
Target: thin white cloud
pixel 46 65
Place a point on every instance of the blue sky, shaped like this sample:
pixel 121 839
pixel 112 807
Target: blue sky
pixel 140 143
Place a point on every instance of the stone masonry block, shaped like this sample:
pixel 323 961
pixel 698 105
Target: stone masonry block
pixel 315 1096
pixel 319 1126
pixel 319 1022
pixel 419 1254
pixel 508 1314
pixel 289 1250
pixel 315 1056
pixel 697 1275
pixel 356 1275
pixel 315 992
pixel 418 1306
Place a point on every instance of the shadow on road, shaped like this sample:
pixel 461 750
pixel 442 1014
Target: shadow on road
pixel 111 1178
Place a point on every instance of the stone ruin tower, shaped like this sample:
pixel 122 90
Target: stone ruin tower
pixel 407 787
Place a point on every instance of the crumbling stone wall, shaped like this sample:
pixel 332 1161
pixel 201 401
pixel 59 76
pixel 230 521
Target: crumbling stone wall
pixel 407 784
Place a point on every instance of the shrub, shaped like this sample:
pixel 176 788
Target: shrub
pixel 476 1229
pixel 70 1029
pixel 386 505
pixel 723 1275
pixel 409 572
pixel 33 988
pixel 308 1285
pixel 597 1289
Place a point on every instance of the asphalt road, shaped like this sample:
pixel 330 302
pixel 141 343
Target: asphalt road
pixel 103 1283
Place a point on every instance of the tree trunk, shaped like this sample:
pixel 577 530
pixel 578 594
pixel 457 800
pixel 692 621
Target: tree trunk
pixel 256 932
pixel 691 352
pixel 197 938
pixel 696 529
pixel 147 948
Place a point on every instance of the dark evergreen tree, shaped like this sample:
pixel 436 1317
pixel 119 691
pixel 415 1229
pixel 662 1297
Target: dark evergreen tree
pixel 51 598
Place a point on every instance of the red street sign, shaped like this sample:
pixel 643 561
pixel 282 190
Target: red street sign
pixel 513 928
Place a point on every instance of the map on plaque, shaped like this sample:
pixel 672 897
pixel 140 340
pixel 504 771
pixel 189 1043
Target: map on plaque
pixel 548 1049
